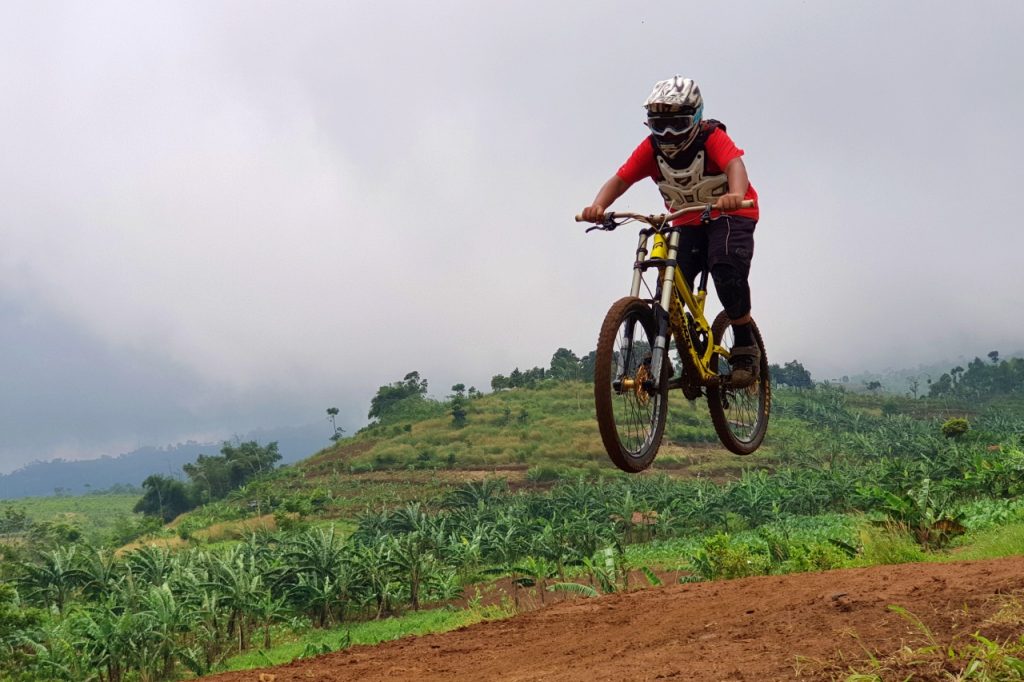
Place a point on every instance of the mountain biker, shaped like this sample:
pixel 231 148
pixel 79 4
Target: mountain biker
pixel 694 162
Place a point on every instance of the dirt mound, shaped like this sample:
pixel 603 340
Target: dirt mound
pixel 806 626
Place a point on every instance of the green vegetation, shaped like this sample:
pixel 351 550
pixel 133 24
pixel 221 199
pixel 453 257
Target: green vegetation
pixel 981 379
pixel 211 479
pixel 973 658
pixel 98 517
pixel 791 374
pixel 436 497
pixel 315 642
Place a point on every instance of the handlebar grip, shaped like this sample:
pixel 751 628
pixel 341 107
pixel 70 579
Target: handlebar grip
pixel 748 203
pixel 579 218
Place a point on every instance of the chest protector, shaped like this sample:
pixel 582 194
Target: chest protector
pixel 684 179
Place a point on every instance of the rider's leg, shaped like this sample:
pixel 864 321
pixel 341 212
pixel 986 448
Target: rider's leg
pixel 730 249
pixel 692 255
pixel 734 292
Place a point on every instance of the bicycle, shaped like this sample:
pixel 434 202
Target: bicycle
pixel 631 374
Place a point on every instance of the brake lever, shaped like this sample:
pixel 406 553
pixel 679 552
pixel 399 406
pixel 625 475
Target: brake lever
pixel 607 225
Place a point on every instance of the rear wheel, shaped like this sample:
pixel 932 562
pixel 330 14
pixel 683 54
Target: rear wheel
pixel 740 415
pixel 630 411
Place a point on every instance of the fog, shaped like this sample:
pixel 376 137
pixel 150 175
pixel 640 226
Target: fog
pixel 216 216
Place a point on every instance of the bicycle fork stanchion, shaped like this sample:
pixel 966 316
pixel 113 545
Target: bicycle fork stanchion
pixel 641 256
pixel 634 290
pixel 667 280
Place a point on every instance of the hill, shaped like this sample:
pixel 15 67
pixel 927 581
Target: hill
pixel 443 513
pixel 131 468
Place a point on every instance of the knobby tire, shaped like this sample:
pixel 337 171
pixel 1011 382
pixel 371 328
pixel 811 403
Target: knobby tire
pixel 631 422
pixel 741 415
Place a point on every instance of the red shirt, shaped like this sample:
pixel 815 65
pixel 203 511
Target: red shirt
pixel 719 149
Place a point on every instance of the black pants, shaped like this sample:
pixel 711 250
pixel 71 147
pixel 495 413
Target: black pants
pixel 724 247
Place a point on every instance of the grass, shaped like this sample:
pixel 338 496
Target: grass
pixel 559 428
pixel 991 543
pixel 91 512
pixel 963 658
pixel 889 544
pixel 798 533
pixel 316 642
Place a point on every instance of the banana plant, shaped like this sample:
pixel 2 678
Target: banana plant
pixel 53 578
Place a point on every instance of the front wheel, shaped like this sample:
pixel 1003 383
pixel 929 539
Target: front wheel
pixel 740 415
pixel 630 410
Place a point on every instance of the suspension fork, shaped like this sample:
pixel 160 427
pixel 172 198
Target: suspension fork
pixel 634 290
pixel 664 302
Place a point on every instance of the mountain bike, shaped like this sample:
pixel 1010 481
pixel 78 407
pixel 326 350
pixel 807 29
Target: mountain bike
pixel 632 373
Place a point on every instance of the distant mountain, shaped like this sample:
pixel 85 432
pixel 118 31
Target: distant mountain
pixel 80 476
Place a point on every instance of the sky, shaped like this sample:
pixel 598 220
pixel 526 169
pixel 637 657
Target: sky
pixel 218 216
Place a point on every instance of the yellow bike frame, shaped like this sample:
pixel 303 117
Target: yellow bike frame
pixel 675 294
pixel 675 291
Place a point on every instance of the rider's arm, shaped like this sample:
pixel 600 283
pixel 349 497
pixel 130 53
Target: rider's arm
pixel 724 153
pixel 609 192
pixel 736 174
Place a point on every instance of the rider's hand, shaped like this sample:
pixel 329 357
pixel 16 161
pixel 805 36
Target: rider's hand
pixel 729 202
pixel 593 214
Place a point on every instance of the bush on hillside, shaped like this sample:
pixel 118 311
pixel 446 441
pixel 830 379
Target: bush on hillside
pixel 955 427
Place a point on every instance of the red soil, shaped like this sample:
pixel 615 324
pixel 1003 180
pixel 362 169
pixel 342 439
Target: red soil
pixel 809 626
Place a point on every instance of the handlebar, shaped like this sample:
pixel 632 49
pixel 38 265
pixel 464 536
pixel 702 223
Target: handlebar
pixel 657 220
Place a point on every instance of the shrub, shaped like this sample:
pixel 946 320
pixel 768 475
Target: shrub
pixel 360 467
pixel 955 427
pixel 544 473
pixel 891 544
pixel 815 557
pixel 719 556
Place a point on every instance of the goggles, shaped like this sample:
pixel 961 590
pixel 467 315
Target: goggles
pixel 672 124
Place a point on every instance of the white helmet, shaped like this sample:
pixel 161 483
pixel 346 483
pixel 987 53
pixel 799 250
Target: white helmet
pixel 674 111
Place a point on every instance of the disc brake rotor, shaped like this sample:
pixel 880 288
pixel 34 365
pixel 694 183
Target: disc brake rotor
pixel 642 375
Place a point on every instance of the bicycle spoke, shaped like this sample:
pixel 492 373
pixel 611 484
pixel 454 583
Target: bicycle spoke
pixel 740 414
pixel 634 419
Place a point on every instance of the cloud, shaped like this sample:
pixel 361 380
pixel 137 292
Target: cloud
pixel 246 212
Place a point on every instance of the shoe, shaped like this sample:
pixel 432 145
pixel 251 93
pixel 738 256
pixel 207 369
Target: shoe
pixel 745 362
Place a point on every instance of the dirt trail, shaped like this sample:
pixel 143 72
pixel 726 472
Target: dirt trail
pixel 799 626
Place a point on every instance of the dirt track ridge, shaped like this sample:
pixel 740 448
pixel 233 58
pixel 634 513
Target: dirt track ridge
pixel 797 626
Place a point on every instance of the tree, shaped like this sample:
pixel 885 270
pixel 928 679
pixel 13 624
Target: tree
pixel 164 497
pixel 565 365
pixel 587 364
pixel 914 386
pixel 332 413
pixel 942 387
pixel 791 374
pixel 458 407
pixel 389 397
pixel 216 476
